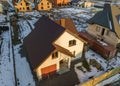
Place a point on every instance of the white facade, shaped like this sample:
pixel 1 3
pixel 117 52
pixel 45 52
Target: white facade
pixel 64 42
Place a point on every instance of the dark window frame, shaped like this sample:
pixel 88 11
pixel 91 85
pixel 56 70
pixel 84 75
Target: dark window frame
pixel 72 42
pixel 41 3
pixel 42 8
pixel 55 55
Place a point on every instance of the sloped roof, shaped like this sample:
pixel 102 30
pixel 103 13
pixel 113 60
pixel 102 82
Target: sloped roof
pixel 38 43
pixel 103 18
pixel 115 14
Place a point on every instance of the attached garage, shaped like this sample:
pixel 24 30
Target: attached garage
pixel 48 71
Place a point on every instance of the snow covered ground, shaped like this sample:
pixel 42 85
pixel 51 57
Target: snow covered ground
pixel 6 61
pixel 23 71
pixel 106 65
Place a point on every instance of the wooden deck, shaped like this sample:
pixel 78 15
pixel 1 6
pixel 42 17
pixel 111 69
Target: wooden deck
pixel 104 49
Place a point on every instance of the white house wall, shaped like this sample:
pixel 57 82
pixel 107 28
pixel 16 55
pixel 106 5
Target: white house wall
pixel 63 41
pixel 49 61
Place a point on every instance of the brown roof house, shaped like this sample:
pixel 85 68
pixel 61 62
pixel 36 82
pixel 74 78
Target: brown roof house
pixel 61 2
pixel 105 25
pixel 44 5
pixel 51 47
pixel 23 6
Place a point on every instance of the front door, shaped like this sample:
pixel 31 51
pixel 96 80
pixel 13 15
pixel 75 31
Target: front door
pixel 102 32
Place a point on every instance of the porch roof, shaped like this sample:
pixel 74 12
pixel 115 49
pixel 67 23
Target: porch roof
pixel 63 50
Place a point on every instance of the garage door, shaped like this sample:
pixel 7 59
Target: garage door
pixel 48 71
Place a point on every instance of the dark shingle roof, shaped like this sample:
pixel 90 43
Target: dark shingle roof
pixel 38 43
pixel 103 18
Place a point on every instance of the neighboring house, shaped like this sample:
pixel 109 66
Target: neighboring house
pixel 88 4
pixel 61 2
pixel 23 6
pixel 50 47
pixel 105 25
pixel 44 5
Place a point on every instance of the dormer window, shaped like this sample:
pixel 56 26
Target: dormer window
pixel 72 43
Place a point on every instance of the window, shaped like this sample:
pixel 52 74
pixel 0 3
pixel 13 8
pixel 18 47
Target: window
pixel 48 6
pixel 41 7
pixel 97 28
pixel 47 3
pixel 27 4
pixel 21 3
pixel 72 43
pixel 107 32
pixel 54 55
pixel 41 3
pixel 28 8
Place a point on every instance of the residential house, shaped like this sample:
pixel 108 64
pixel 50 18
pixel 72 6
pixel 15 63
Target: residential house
pixel 50 47
pixel 23 6
pixel 105 25
pixel 44 5
pixel 61 2
pixel 88 4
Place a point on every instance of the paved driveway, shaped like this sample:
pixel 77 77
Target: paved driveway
pixel 66 79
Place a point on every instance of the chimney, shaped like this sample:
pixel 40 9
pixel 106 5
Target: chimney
pixel 14 1
pixel 62 22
